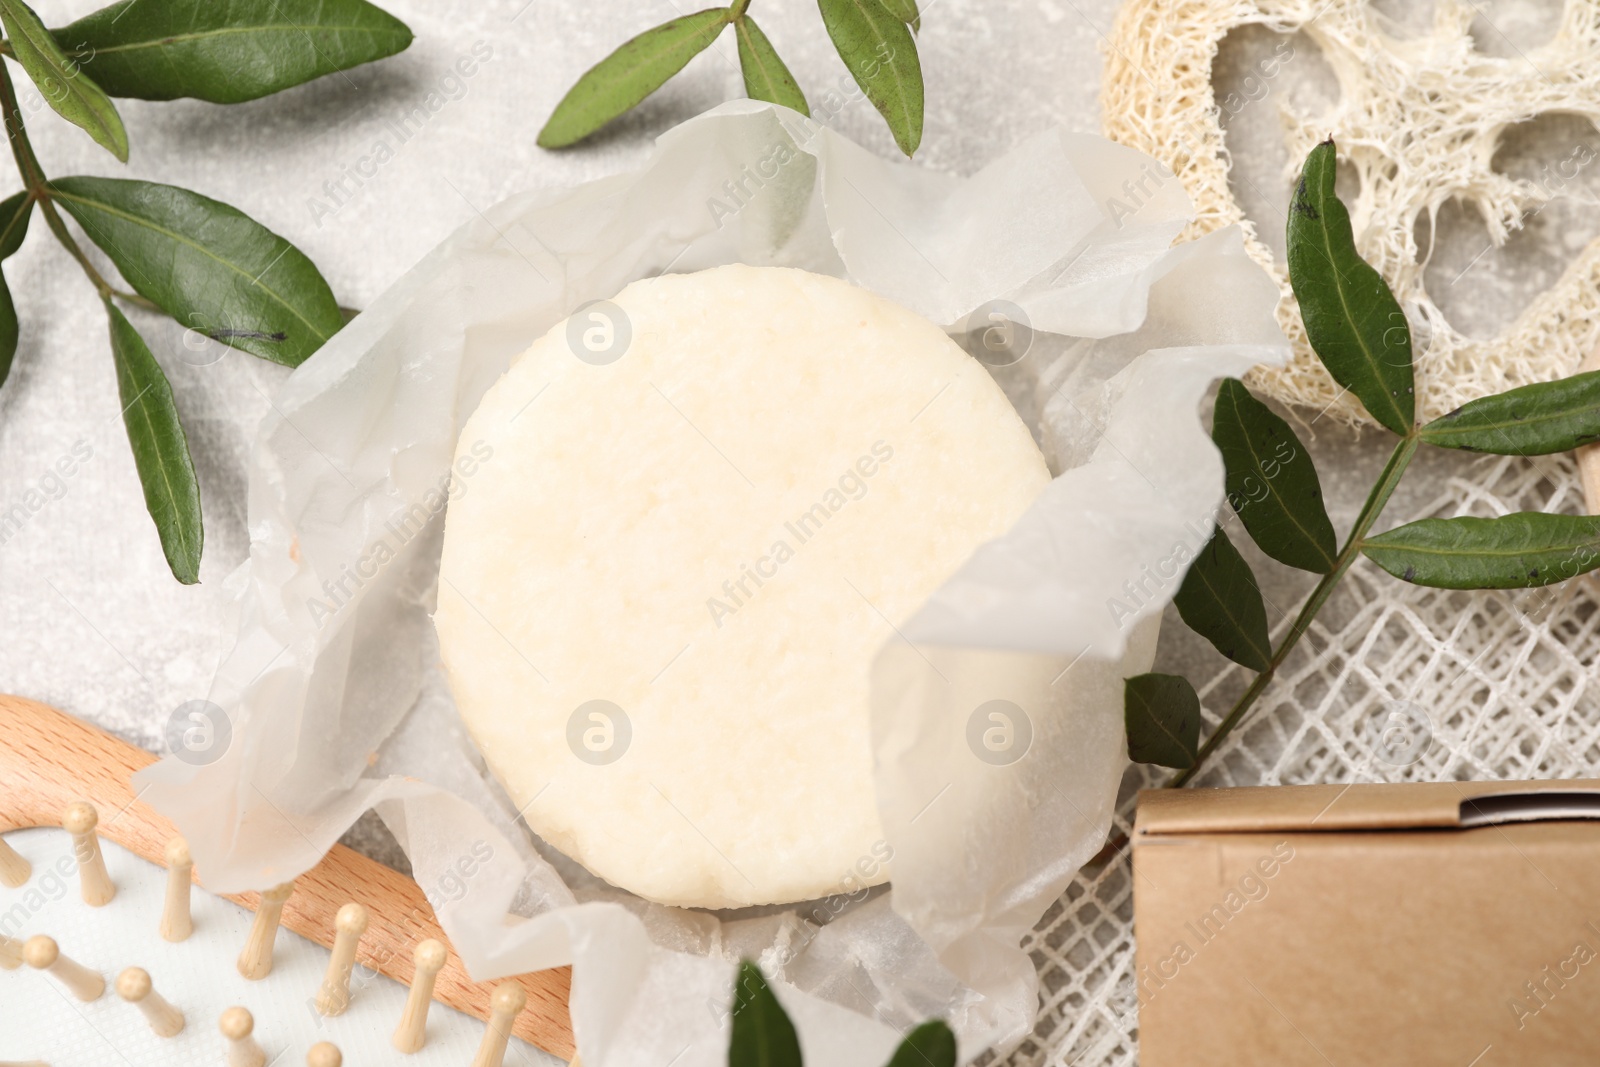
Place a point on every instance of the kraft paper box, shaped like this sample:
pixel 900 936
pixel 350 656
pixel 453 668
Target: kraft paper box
pixel 1453 923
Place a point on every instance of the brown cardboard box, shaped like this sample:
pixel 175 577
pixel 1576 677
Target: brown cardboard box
pixel 1455 923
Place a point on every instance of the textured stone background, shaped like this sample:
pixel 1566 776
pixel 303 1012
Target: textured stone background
pixel 91 620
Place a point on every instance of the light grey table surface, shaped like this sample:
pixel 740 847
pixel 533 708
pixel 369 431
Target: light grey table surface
pixel 91 620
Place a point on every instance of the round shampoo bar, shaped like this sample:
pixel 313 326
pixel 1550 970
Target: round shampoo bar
pixel 683 523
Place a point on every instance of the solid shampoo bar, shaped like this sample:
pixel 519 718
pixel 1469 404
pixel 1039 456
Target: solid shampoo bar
pixel 707 504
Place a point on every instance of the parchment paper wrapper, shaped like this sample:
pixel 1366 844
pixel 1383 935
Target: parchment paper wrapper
pixel 333 691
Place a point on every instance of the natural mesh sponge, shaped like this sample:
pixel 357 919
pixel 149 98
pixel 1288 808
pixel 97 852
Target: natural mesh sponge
pixel 1418 118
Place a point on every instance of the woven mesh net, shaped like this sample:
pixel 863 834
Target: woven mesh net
pixel 1392 683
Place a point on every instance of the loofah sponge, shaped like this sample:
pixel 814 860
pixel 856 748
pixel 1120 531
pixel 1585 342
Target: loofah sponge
pixel 1418 118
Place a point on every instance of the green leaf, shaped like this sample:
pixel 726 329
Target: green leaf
pixel 74 96
pixel 227 51
pixel 1271 481
pixel 628 75
pixel 15 212
pixel 10 331
pixel 1533 420
pixel 1220 600
pixel 881 55
pixel 906 11
pixel 763 1036
pixel 1352 320
pixel 211 267
pixel 160 450
pixel 1162 712
pixel 929 1045
pixel 765 76
pixel 1517 551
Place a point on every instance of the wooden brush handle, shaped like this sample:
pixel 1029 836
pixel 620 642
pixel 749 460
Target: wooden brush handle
pixel 48 760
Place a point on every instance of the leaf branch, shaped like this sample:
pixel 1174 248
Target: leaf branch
pixel 1358 331
pixel 205 264
pixel 874 38
pixel 38 186
pixel 1376 500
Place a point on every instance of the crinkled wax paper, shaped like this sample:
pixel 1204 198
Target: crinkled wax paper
pixel 333 690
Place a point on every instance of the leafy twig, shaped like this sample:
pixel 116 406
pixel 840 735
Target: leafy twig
pixel 1387 481
pixel 135 299
pixel 1359 332
pixel 201 262
pixel 873 37
pixel 763 1036
pixel 33 178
